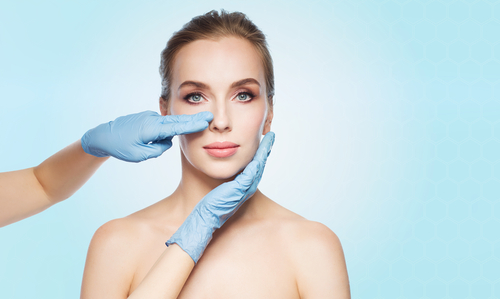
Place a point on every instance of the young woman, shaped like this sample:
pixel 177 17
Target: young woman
pixel 217 63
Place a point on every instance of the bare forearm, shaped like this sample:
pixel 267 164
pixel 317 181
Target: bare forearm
pixel 26 192
pixel 167 277
pixel 64 173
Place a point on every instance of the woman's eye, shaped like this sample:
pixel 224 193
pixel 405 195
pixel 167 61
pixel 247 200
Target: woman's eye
pixel 244 97
pixel 196 98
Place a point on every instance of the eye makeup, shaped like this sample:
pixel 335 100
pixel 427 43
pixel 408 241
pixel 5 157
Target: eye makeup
pixel 189 97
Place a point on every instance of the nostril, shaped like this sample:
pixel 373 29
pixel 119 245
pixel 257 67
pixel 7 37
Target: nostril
pixel 220 124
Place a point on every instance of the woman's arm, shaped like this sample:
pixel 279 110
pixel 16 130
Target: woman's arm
pixel 110 265
pixel 26 192
pixel 133 138
pixel 167 277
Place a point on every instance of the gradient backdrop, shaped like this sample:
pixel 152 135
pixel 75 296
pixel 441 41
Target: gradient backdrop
pixel 387 124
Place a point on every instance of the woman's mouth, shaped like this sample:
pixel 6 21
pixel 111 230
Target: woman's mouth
pixel 221 149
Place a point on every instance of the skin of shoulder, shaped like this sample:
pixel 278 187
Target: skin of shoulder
pixel 109 267
pixel 315 253
pixel 317 256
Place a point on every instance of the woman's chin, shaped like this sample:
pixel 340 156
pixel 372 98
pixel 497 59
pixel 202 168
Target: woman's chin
pixel 223 174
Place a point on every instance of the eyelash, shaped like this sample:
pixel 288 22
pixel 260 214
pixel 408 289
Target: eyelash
pixel 189 95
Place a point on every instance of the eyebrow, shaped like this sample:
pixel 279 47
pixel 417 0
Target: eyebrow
pixel 205 86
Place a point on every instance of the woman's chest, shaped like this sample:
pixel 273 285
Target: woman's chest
pixel 239 264
pixel 237 272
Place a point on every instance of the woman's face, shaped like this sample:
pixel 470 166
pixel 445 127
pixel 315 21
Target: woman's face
pixel 225 77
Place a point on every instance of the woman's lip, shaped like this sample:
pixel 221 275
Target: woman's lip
pixel 221 152
pixel 221 149
pixel 220 145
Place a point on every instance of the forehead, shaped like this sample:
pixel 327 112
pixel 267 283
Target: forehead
pixel 218 63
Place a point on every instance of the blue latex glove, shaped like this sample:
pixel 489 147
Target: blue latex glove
pixel 141 136
pixel 221 203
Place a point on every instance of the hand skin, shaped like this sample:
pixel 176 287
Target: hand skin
pixel 26 192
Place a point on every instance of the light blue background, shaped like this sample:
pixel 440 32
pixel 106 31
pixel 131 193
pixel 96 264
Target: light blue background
pixel 387 120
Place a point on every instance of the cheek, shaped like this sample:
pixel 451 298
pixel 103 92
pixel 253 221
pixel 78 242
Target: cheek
pixel 252 119
pixel 249 126
pixel 187 140
pixel 178 107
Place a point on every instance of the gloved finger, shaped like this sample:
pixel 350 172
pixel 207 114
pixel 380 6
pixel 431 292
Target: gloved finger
pixel 155 149
pixel 170 130
pixel 170 125
pixel 241 182
pixel 250 177
pixel 265 147
pixel 261 157
pixel 204 115
pixel 245 184
pixel 160 147
pixel 247 177
pixel 232 194
pixel 187 124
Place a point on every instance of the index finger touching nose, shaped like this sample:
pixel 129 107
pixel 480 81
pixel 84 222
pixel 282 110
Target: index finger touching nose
pixel 201 116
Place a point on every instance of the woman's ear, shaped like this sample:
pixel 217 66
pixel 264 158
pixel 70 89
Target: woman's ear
pixel 164 107
pixel 269 120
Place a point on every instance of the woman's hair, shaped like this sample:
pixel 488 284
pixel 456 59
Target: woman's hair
pixel 213 26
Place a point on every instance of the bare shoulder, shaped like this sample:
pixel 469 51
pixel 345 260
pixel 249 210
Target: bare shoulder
pixel 316 234
pixel 116 232
pixel 108 268
pixel 122 238
pixel 302 234
pixel 298 229
pixel 316 253
pixel 316 238
pixel 114 228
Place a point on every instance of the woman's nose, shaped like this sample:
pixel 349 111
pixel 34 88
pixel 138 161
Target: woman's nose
pixel 221 122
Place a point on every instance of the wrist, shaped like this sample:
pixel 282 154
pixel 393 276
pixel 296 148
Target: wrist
pixel 90 157
pixel 193 236
pixel 90 141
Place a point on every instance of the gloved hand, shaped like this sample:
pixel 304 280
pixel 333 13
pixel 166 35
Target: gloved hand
pixel 141 136
pixel 218 205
